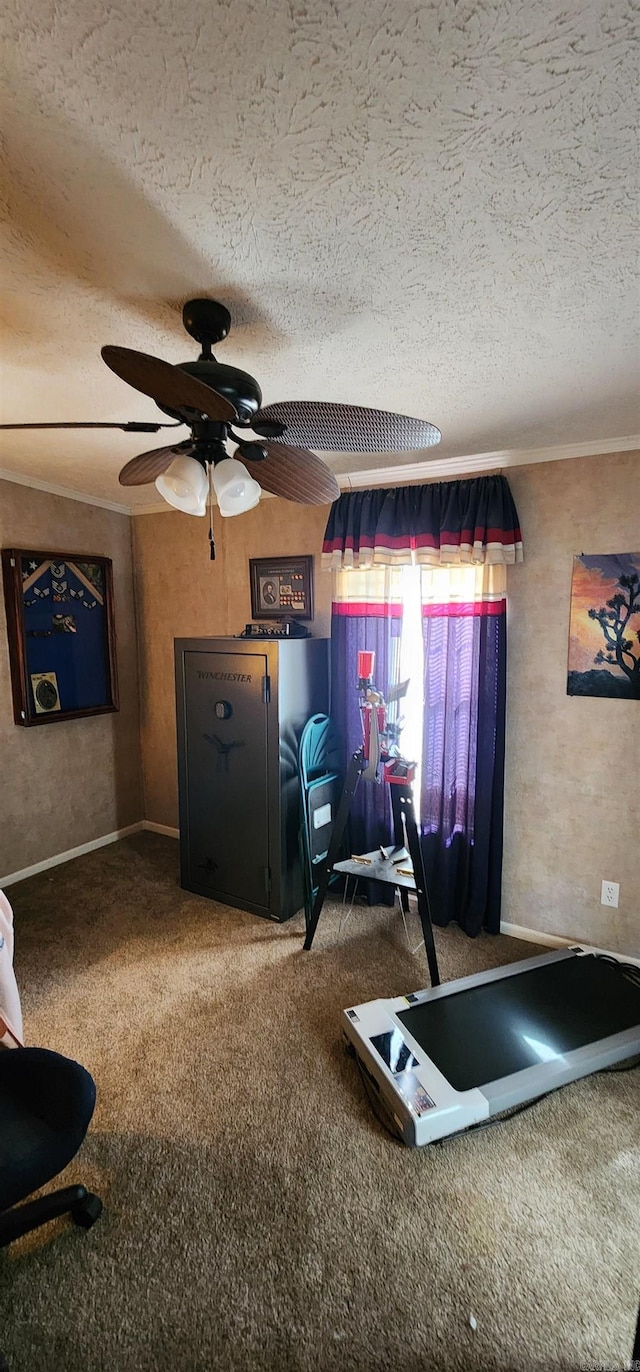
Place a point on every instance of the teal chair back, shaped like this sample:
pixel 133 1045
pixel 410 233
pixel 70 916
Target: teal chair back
pixel 320 787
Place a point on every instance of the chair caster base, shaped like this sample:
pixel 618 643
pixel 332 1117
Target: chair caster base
pixel 87 1211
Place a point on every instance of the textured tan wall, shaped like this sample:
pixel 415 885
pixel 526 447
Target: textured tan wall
pixel 572 803
pixel 180 593
pixel 66 784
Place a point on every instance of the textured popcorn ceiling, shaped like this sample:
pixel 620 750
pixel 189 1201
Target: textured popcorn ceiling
pixel 423 206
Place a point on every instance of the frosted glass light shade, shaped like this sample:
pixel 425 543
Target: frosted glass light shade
pixel 235 488
pixel 184 485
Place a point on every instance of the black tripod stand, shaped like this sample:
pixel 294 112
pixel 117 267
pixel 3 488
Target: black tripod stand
pixel 404 823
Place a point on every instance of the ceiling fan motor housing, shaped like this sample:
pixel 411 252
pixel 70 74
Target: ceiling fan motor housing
pixel 209 322
pixel 235 385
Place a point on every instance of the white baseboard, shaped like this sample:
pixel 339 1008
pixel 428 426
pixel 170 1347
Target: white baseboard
pixel 82 848
pixel 165 829
pixel 553 941
pixel 71 853
pixel 536 936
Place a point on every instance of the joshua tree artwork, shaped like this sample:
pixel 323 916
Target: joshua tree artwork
pixel 604 628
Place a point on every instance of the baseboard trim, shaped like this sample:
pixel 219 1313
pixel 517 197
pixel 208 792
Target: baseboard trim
pixel 553 941
pixel 536 936
pixel 166 829
pixel 70 854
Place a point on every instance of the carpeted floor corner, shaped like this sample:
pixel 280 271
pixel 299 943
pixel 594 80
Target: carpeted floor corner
pixel 257 1217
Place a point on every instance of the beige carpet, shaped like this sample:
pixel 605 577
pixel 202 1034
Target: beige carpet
pixel 257 1216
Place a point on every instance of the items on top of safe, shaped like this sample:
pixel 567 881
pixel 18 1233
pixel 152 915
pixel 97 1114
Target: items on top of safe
pixel 285 628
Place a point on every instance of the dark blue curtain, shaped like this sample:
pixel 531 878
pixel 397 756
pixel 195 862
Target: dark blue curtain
pixel 442 524
pixel 461 801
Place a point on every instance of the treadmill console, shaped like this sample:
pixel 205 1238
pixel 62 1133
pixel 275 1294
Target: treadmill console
pixel 396 1053
pixel 394 1050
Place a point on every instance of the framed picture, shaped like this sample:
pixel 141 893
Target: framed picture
pixel 281 587
pixel 61 635
pixel 604 626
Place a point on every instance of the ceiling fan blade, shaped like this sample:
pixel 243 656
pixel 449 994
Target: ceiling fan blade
pixel 347 428
pixel 168 385
pixel 142 470
pixel 295 474
pixel 131 426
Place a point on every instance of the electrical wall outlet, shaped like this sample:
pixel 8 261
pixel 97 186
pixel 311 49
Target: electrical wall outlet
pixel 609 894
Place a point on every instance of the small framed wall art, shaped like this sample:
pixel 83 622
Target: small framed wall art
pixel 281 587
pixel 604 627
pixel 61 635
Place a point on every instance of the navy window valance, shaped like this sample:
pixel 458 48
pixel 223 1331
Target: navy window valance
pixel 441 524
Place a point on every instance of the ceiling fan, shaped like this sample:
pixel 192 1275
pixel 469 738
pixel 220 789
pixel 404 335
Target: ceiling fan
pixel 213 400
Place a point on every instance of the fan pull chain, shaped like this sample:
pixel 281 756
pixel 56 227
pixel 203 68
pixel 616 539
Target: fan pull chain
pixel 212 546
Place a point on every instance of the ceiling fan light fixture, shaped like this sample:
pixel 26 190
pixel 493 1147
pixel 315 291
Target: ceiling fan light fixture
pixel 235 489
pixel 184 485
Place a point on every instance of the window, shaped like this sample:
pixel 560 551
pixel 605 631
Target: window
pixel 444 627
pixel 438 586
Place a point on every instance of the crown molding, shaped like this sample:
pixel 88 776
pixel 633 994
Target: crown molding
pixel 22 479
pixel 378 476
pixel 155 507
pixel 483 462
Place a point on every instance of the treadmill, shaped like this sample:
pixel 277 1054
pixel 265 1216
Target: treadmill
pixel 440 1061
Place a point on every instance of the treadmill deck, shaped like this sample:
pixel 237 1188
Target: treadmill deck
pixel 451 1056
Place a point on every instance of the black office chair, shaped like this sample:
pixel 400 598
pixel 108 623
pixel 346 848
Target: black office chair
pixel 46 1104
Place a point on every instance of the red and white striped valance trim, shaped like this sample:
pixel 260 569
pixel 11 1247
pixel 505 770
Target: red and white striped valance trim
pixel 367 609
pixel 426 554
pixel 379 592
pixel 455 609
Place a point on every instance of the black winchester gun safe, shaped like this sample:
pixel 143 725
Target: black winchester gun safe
pixel 241 707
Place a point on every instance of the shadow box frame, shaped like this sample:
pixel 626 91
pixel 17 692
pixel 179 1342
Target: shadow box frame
pixel 260 567
pixel 24 712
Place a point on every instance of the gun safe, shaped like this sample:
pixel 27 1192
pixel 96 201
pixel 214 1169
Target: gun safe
pixel 241 707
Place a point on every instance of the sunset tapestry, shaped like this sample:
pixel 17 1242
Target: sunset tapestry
pixel 604 628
